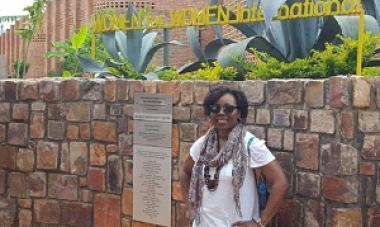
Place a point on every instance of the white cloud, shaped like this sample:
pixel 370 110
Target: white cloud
pixel 13 7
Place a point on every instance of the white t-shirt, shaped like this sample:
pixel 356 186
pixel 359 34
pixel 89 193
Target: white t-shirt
pixel 218 207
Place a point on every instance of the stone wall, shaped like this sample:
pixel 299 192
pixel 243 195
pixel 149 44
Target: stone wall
pixel 66 148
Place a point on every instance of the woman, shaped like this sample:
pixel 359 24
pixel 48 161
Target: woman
pixel 218 178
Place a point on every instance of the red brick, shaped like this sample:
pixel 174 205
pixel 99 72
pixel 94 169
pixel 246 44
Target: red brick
pixel 37 184
pixel 150 86
pixel 76 214
pixel 49 90
pixel 3 132
pixel 177 192
pixel 78 158
pixel 135 87
pixel 3 180
pixel 72 132
pixel 175 141
pixel 96 179
pixel 307 151
pixel 106 210
pixel 20 111
pixel 284 91
pixel 47 155
pixel 25 160
pixel 85 131
pixel 17 134
pixel 290 212
pixel 97 154
pixel 46 211
pixel 347 125
pixel 63 186
pixel 28 90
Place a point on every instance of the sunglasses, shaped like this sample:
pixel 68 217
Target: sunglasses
pixel 227 109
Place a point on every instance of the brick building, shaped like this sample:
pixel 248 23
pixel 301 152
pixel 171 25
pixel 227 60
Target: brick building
pixel 63 16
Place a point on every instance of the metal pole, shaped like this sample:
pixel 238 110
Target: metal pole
pixel 166 48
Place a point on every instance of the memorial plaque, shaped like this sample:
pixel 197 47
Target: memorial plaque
pixel 152 185
pixel 153 107
pixel 152 132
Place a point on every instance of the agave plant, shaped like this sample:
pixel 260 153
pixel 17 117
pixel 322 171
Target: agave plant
pixel 132 48
pixel 286 40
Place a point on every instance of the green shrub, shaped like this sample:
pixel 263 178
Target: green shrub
pixel 371 71
pixel 334 60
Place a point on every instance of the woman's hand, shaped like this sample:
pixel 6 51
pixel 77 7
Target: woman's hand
pixel 245 224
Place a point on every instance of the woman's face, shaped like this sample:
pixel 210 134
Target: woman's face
pixel 224 114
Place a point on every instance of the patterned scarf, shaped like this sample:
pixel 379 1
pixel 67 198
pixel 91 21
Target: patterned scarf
pixel 235 149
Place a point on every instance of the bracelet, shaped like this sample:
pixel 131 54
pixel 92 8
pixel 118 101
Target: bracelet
pixel 258 221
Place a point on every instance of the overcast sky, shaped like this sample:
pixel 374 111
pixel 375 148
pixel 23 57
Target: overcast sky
pixel 13 7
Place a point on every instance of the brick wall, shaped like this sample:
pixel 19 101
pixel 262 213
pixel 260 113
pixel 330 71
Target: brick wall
pixel 60 138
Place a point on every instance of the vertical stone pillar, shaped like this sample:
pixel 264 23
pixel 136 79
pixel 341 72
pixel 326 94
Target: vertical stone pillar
pixel 3 65
pixel 11 48
pixel 70 19
pixel 18 41
pixel 1 44
pixel 60 21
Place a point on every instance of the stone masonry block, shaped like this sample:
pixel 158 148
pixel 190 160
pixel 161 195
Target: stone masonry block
pixel 8 211
pixel 63 186
pixel 25 217
pixel 3 180
pixel 114 174
pixel 201 89
pixel 18 134
pixel 10 90
pixel 38 106
pixel 307 151
pixel 47 155
pixel 274 139
pixel 181 113
pixel 28 90
pixel 251 116
pixel 135 86
pixel 71 90
pixel 346 217
pixel 172 88
pixel 187 96
pixel 85 131
pixel 97 154
pixel 106 210
pixel 37 126
pixel 99 112
pixel 300 119
pixel 344 190
pixel 17 183
pixel 25 160
pixel 259 132
pixel 371 148
pixel 8 157
pixel 110 89
pixel 127 201
pixel 288 140
pixel 377 90
pixel 5 112
pixel 78 158
pixel 281 117
pixel 104 131
pixel 339 159
pixel 57 111
pixel 37 184
pixel 96 179
pixel 46 211
pixel 285 92
pixel 255 90
pixel 20 111
pixel 197 113
pixel 369 121
pixel 367 169
pixel 50 90
pixel 308 184
pixel 65 158
pixel 76 214
pixel 322 121
pixel 188 132
pixel 361 92
pixel 314 93
pixel 338 92
pixel 175 141
pixel 347 125
pixel 79 112
pixel 122 90
pixel 314 213
pixel 3 132
pixel 56 130
pixel 72 132
pixel 92 90
pixel 291 212
pixel 263 117
pixel 150 86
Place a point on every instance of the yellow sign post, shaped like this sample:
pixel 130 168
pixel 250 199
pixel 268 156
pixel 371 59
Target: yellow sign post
pixel 221 15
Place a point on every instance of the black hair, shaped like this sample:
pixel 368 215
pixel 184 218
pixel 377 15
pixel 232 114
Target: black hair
pixel 215 94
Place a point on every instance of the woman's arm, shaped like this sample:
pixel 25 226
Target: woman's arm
pixel 185 176
pixel 279 185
